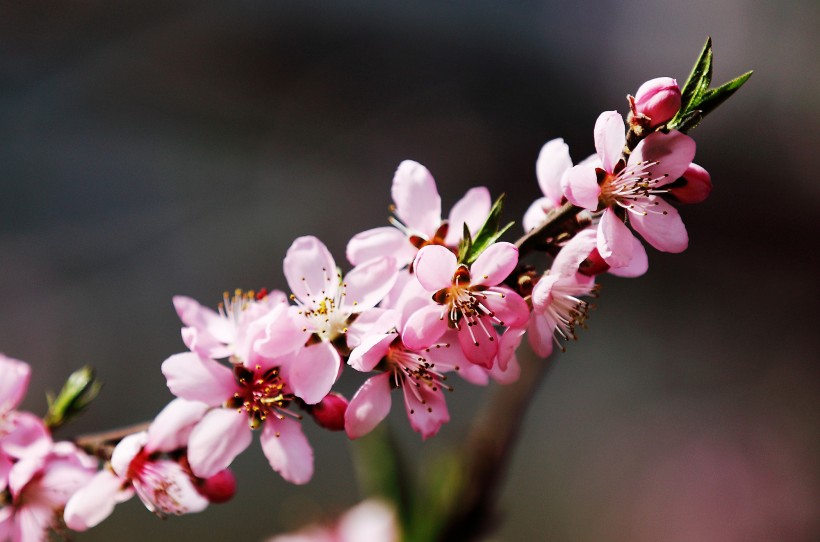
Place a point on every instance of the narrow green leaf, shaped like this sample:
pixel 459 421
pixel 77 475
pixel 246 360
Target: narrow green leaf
pixel 716 96
pixel 465 244
pixel 689 121
pixel 488 234
pixel 698 80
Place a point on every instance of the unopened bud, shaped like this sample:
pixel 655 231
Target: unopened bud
pixel 79 390
pixel 694 187
pixel 219 488
pixel 659 99
pixel 330 412
pixel 593 265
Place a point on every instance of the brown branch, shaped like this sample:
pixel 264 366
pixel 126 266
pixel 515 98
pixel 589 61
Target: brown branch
pixel 551 227
pixel 101 444
pixel 488 447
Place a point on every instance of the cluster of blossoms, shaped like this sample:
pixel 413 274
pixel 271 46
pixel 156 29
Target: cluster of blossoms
pixel 425 298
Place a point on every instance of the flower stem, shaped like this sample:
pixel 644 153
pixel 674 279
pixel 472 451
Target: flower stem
pixel 102 444
pixel 550 228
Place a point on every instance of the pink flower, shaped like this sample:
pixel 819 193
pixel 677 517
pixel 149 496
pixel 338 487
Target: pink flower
pixel 247 323
pixel 327 302
pixel 369 521
pixel 658 99
pixel 553 162
pixel 418 219
pixel 556 305
pixel 468 300
pixel 418 373
pixel 151 463
pixel 39 487
pixel 256 394
pixel 633 190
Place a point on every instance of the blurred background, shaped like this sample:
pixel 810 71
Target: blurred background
pixel 159 148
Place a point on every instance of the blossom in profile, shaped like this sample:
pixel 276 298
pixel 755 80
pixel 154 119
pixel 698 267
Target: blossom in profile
pixel 152 464
pixel 557 307
pixel 39 487
pixel 369 521
pixel 631 191
pixel 418 221
pixel 469 300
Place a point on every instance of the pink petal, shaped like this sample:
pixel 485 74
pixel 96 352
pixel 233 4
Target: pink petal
pixel 25 436
pixel 426 409
pixel 662 227
pixel 510 341
pixel 614 240
pixel 540 334
pixel 673 152
pixel 553 161
pixel 170 429
pixel 310 270
pixel 480 346
pixel 313 371
pixel 378 243
pixel 697 185
pixel 205 344
pixel 95 501
pixel 637 266
pixel 367 284
pixel 371 351
pixel 509 375
pixel 424 327
pixel 32 523
pixel 277 333
pixel 580 185
pixel 494 264
pixel 370 521
pixel 5 467
pixel 414 192
pixel 125 452
pixel 192 377
pixel 474 374
pixel 369 406
pixel 203 319
pixel 542 293
pixel 434 267
pixel 288 450
pixel 14 378
pixel 511 309
pixel 574 253
pixel 472 209
pixel 165 488
pixel 610 138
pixel 216 440
pixel 537 213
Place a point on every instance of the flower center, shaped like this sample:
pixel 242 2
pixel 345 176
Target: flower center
pixel 327 317
pixel 569 311
pixel 465 303
pixel 631 187
pixel 261 394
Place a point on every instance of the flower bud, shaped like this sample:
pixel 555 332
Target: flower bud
pixel 694 187
pixel 219 488
pixel 593 265
pixel 330 412
pixel 659 99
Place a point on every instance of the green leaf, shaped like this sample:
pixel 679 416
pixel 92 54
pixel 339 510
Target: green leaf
pixel 465 244
pixel 79 390
pixel 698 81
pixel 716 96
pixel 488 234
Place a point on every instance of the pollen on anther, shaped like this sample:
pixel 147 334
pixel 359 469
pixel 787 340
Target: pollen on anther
pixel 278 434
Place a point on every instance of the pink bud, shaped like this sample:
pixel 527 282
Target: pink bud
pixel 330 412
pixel 658 99
pixel 593 265
pixel 695 186
pixel 220 487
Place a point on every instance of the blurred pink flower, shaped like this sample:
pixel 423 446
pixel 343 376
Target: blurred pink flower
pixel 369 521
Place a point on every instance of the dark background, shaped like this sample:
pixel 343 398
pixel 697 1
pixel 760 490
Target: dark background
pixel 160 148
